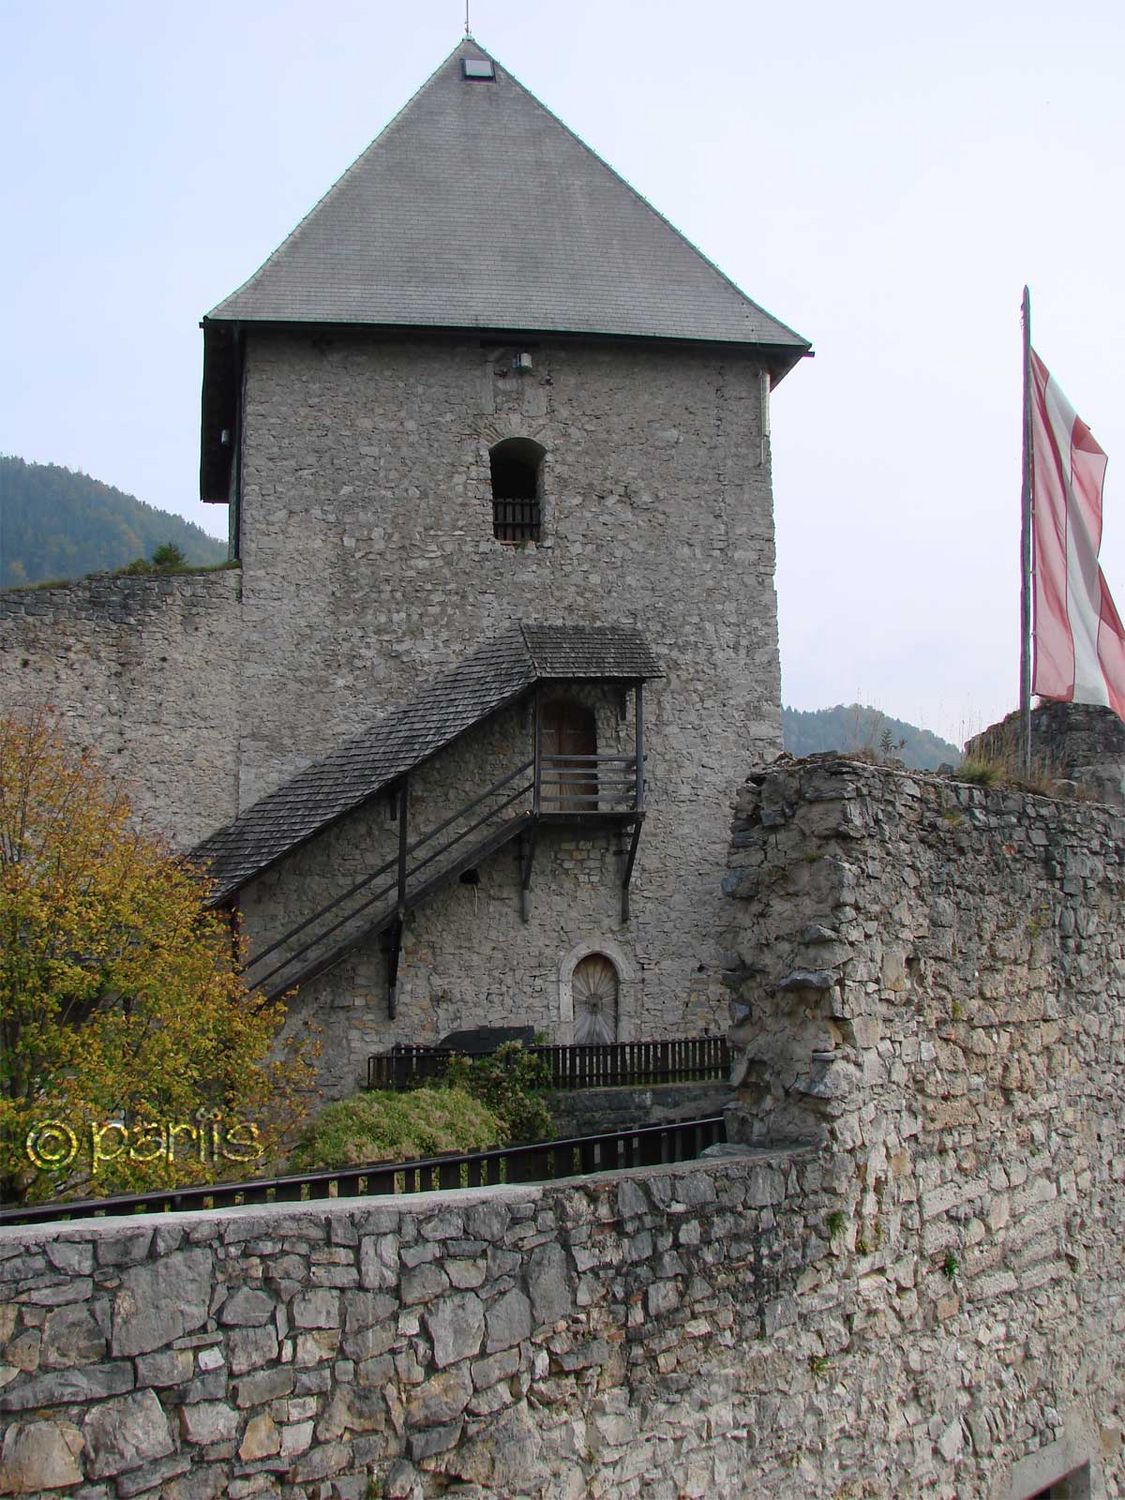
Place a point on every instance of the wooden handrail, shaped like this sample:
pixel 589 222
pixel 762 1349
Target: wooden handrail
pixel 539 1161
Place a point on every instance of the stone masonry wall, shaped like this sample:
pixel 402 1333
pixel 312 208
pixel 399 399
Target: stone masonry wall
pixel 928 980
pixel 574 1339
pixel 367 546
pixel 921 1293
pixel 1079 742
pixel 144 673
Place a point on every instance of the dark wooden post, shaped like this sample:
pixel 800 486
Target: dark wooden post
pixel 640 748
pixel 403 805
pixel 537 777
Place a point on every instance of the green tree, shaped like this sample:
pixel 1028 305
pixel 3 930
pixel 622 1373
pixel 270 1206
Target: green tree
pixel 122 1011
pixel 168 557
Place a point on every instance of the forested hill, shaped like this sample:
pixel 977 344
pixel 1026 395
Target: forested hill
pixel 58 524
pixel 851 727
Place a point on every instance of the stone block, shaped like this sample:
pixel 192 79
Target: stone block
pixel 201 1482
pixel 423 1283
pixel 124 1433
pixel 316 1309
pixel 75 1257
pixel 321 1463
pixel 352 1409
pixel 249 1348
pixel 440 1399
pixel 208 1422
pixel 434 1440
pixel 247 1307
pixel 261 1438
pixel 509 1321
pixel 160 1301
pixel 378 1261
pixel 296 1438
pixel 153 1477
pixel 264 1385
pixel 548 1282
pixel 71 1336
pixel 166 1367
pixel 38 1457
pixel 315 1346
pixel 456 1327
pixel 64 1387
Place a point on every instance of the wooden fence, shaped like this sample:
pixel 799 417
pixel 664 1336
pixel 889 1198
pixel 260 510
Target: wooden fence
pixel 692 1059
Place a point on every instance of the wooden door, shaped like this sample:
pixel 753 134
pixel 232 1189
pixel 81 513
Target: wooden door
pixel 594 991
pixel 568 732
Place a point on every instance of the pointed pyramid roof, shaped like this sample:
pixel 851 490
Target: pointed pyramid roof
pixel 477 209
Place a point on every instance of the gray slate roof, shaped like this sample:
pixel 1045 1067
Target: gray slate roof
pixel 477 208
pixel 444 708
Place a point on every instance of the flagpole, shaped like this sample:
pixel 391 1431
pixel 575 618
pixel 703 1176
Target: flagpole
pixel 1025 546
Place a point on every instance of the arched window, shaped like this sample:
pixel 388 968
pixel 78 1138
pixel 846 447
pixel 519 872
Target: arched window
pixel 594 986
pixel 516 465
pixel 568 741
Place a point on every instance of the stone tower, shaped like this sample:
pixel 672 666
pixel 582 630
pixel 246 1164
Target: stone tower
pixel 494 440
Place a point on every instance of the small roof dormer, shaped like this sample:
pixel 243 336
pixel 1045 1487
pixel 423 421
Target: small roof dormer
pixel 477 209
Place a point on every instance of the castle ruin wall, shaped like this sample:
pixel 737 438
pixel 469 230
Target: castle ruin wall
pixel 143 672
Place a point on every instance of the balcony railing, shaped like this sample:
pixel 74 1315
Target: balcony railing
pixel 692 1059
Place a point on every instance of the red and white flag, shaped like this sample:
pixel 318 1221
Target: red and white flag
pixel 1079 640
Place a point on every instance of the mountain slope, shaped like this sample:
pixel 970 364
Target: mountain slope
pixel 852 727
pixel 55 523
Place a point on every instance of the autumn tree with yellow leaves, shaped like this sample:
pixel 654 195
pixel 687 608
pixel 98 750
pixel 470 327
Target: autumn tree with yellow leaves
pixel 132 1055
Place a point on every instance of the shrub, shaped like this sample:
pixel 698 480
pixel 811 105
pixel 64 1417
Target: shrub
pixel 122 1010
pixel 981 772
pixel 377 1126
pixel 508 1081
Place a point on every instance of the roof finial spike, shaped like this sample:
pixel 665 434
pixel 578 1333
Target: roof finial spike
pixel 468 32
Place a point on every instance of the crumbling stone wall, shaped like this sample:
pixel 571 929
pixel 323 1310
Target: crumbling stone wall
pixel 909 1282
pixel 1079 742
pixel 143 672
pixel 928 980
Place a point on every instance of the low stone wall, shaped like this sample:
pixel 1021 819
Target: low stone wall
pixel 575 1338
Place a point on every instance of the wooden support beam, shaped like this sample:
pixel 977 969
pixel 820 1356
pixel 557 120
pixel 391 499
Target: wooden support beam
pixel 640 747
pixel 537 754
pixel 403 810
pixel 627 874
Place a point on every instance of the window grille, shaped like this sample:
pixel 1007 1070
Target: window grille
pixel 516 464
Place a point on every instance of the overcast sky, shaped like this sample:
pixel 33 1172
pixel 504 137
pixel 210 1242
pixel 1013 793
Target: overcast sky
pixel 883 178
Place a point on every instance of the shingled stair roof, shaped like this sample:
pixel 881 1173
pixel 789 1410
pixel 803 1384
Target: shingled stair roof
pixel 447 706
pixel 477 208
